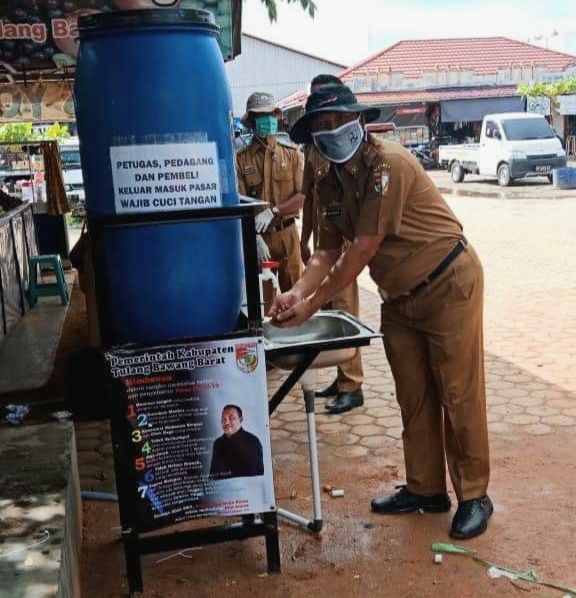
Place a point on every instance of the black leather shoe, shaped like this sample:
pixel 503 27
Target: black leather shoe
pixel 345 401
pixel 471 518
pixel 405 501
pixel 329 391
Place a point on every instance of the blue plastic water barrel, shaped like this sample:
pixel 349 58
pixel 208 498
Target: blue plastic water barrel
pixel 150 86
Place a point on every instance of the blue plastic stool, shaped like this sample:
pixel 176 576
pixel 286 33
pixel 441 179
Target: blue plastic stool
pixel 56 289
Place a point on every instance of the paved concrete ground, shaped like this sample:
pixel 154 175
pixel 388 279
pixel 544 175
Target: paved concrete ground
pixel 27 354
pixel 528 248
pixel 40 512
pixel 476 186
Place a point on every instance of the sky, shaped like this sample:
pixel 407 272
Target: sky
pixel 347 31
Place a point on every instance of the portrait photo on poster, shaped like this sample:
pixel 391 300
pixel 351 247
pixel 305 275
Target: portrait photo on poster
pixel 237 453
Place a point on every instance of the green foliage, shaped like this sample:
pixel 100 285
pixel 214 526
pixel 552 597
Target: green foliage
pixel 57 131
pixel 14 132
pixel 272 7
pixel 549 90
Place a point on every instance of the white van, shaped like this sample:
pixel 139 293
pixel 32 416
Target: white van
pixel 512 145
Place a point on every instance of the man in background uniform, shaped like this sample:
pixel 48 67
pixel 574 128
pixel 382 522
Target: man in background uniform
pixel 271 170
pixel 377 196
pixel 347 388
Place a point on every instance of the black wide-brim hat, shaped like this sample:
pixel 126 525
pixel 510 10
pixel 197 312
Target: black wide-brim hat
pixel 329 98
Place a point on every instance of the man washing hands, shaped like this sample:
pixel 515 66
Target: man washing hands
pixel 374 198
pixel 327 273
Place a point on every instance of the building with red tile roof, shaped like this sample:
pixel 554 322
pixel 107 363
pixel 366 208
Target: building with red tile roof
pixel 420 83
pixel 482 56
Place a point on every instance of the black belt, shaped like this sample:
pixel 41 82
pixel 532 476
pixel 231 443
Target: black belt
pixel 284 224
pixel 456 251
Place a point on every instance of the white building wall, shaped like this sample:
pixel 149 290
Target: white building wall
pixel 263 66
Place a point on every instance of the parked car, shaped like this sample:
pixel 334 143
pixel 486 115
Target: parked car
pixel 512 145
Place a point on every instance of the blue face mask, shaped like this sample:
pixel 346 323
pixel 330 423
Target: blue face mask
pixel 340 144
pixel 265 125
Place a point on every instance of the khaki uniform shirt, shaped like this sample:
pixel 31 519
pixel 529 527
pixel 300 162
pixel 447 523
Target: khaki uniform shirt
pixel 271 172
pixel 312 162
pixel 383 190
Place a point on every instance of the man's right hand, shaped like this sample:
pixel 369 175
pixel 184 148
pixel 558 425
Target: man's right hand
pixel 284 302
pixel 305 252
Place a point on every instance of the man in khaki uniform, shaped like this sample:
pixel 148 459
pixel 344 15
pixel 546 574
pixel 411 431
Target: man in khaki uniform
pixel 347 388
pixel 377 197
pixel 271 170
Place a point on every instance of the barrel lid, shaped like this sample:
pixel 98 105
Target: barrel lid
pixel 153 17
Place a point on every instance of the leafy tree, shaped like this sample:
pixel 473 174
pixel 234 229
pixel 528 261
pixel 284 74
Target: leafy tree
pixel 271 5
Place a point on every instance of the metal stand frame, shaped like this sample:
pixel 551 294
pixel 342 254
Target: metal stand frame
pixel 314 525
pixel 265 524
pixel 308 353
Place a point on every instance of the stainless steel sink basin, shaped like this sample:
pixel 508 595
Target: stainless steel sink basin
pixel 336 334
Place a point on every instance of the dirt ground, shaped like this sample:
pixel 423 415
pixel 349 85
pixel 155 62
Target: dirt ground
pixel 363 554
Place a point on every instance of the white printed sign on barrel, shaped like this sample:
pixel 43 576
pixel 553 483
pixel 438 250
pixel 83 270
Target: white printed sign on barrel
pixel 165 177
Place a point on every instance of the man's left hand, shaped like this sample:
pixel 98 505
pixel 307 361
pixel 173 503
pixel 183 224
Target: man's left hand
pixel 296 315
pixel 263 220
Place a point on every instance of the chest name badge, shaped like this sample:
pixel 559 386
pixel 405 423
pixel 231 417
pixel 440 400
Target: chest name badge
pixel 332 212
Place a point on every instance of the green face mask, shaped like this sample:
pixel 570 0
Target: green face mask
pixel 266 125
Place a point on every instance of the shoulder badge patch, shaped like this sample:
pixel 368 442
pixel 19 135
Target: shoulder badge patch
pixel 380 182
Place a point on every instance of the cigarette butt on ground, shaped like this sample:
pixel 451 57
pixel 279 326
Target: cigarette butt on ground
pixel 438 558
pixel 336 493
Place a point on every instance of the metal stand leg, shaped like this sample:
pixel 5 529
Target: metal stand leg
pixel 272 543
pixel 308 382
pixel 316 525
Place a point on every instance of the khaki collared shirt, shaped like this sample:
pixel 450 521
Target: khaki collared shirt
pixel 383 190
pixel 271 172
pixel 312 162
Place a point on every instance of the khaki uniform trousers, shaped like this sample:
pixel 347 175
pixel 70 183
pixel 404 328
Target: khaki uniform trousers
pixel 284 248
pixel 433 341
pixel 350 374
